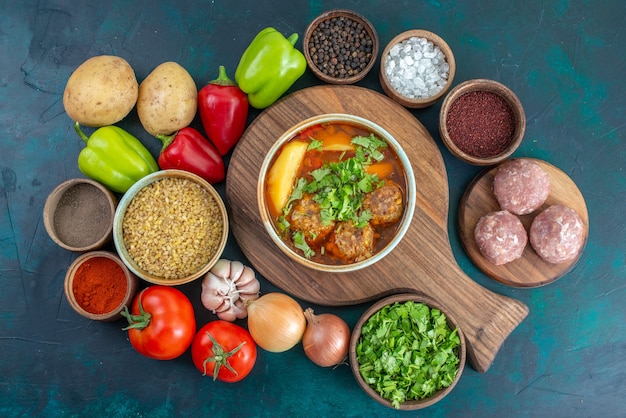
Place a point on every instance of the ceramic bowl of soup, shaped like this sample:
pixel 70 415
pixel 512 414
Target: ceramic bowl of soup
pixel 336 193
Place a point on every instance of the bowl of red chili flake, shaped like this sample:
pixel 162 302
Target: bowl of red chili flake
pixel 482 122
pixel 98 286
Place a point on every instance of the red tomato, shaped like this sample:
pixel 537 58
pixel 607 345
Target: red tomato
pixel 161 323
pixel 224 350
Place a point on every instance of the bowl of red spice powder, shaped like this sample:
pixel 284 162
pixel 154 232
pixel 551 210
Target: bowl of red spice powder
pixel 98 286
pixel 482 122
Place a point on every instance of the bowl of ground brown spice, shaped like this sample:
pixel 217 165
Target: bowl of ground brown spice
pixel 170 227
pixel 340 46
pixel 482 122
pixel 78 215
pixel 98 286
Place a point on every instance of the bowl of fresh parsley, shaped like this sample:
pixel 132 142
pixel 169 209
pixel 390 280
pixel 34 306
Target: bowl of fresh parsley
pixel 407 352
pixel 336 192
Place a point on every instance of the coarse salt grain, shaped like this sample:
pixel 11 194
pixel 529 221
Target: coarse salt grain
pixel 416 68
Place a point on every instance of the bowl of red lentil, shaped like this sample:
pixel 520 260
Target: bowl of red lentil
pixel 340 46
pixel 417 68
pixel 482 122
pixel 98 286
pixel 170 227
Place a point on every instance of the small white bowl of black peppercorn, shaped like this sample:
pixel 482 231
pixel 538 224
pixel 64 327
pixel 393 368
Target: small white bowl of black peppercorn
pixel 340 46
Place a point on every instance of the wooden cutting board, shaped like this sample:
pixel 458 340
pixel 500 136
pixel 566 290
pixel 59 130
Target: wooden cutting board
pixel 529 270
pixel 422 262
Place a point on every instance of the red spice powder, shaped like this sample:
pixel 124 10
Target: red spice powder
pixel 99 285
pixel 481 123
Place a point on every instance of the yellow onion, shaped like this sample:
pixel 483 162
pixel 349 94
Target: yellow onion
pixel 326 338
pixel 276 322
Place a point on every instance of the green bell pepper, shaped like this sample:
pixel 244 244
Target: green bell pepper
pixel 269 66
pixel 114 158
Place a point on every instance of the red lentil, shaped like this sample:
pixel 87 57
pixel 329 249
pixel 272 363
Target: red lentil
pixel 481 123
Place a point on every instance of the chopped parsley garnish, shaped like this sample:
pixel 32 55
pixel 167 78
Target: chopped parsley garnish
pixel 407 352
pixel 300 243
pixel 372 145
pixel 338 187
pixel 315 144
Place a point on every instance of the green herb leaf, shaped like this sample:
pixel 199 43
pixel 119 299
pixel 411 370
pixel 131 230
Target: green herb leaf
pixel 301 244
pixel 407 352
pixel 282 224
pixel 296 194
pixel 315 144
pixel 372 145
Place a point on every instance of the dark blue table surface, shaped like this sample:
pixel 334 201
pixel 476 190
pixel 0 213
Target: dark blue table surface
pixel 564 59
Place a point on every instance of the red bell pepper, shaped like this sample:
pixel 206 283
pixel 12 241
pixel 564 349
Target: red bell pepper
pixel 188 150
pixel 223 109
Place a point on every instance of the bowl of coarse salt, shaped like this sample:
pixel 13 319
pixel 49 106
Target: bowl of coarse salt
pixel 417 68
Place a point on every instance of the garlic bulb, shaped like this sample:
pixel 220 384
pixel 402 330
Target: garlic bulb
pixel 226 287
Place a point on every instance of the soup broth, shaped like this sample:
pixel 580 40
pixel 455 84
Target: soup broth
pixel 336 193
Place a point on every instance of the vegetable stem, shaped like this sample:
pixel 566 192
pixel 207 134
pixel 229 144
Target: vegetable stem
pixel 80 133
pixel 220 357
pixel 139 321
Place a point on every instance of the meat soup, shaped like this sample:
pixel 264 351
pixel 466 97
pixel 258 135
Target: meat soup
pixel 336 193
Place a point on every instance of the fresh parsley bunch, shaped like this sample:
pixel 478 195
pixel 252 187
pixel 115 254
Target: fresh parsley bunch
pixel 407 352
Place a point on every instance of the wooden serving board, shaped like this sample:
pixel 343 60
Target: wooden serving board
pixel 422 262
pixel 529 270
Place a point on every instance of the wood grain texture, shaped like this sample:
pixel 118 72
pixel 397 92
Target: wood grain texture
pixel 422 261
pixel 529 270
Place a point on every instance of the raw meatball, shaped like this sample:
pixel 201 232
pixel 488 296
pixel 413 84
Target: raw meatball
pixel 351 243
pixel 557 234
pixel 384 203
pixel 501 237
pixel 521 186
pixel 306 217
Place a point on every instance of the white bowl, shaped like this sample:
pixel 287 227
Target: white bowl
pixel 381 133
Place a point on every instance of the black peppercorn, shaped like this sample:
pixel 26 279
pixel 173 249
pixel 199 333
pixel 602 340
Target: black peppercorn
pixel 340 47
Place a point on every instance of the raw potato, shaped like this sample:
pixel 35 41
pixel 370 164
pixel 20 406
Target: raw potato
pixel 168 99
pixel 101 91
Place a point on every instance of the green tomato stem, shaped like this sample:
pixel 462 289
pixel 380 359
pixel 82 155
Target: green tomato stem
pixel 220 357
pixel 140 321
